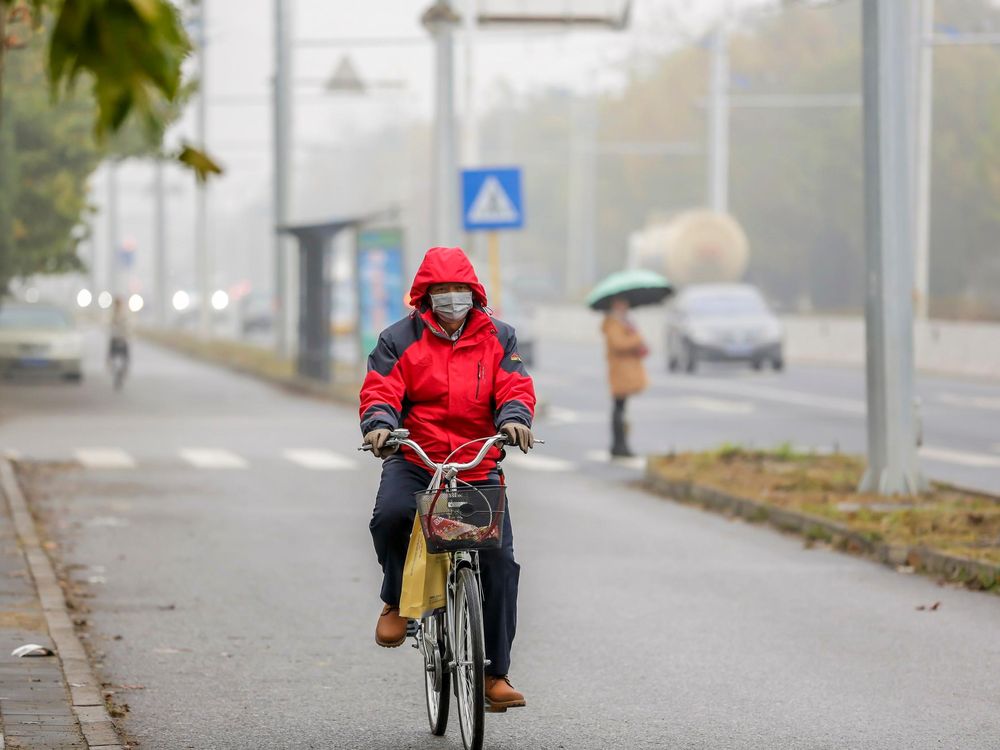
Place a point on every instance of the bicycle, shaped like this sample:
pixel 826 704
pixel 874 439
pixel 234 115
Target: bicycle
pixel 451 641
pixel 118 361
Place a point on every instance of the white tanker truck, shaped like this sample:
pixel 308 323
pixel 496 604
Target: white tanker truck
pixel 696 247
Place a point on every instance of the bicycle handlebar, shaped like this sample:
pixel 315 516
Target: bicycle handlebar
pixel 401 437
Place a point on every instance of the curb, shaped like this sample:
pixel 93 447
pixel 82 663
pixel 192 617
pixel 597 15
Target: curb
pixel 972 573
pixel 85 690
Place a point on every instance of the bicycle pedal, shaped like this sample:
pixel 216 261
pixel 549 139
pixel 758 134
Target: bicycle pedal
pixel 411 628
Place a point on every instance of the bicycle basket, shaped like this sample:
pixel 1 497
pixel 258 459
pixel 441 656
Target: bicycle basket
pixel 463 518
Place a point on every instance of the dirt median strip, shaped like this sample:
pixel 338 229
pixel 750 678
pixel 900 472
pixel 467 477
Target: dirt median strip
pixel 793 493
pixel 84 689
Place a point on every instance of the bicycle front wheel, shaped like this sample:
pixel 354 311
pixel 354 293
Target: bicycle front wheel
pixel 437 678
pixel 470 657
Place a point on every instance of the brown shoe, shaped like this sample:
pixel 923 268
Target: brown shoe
pixel 501 695
pixel 391 628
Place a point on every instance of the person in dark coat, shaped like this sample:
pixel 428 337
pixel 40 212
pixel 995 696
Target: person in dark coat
pixel 449 373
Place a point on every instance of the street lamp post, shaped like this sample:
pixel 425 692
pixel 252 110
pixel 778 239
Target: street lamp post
pixel 281 91
pixel 440 20
pixel 888 133
pixel 718 120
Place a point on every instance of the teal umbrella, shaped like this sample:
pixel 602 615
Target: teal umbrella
pixel 637 286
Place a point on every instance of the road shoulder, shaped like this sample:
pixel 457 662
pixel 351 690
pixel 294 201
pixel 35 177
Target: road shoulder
pixel 45 701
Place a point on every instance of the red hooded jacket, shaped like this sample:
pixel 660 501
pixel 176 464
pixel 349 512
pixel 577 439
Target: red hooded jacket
pixel 447 392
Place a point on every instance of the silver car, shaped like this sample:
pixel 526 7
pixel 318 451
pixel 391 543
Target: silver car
pixel 722 322
pixel 38 339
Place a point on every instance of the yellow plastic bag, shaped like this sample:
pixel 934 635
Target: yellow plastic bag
pixel 425 576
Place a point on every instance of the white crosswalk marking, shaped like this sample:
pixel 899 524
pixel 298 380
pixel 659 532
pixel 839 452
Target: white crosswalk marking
pixel 212 458
pixel 536 462
pixel 972 402
pixel 963 458
pixel 319 460
pixel 104 458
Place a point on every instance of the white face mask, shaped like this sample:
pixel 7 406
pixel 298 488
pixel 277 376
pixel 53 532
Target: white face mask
pixel 451 306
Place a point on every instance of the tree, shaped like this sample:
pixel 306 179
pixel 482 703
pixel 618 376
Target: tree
pixel 47 154
pixel 129 51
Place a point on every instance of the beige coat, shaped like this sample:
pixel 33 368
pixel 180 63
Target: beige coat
pixel 625 349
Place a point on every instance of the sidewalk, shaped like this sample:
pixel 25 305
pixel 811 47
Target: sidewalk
pixel 39 707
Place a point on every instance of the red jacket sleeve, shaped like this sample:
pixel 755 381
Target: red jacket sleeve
pixel 383 390
pixel 513 389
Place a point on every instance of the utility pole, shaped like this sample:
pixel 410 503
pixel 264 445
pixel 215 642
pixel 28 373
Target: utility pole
pixel 923 29
pixel 888 139
pixel 203 264
pixel 114 231
pixel 718 119
pixel 160 240
pixel 440 20
pixel 581 252
pixel 282 91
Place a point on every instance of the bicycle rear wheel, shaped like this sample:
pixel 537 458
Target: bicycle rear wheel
pixel 470 657
pixel 437 678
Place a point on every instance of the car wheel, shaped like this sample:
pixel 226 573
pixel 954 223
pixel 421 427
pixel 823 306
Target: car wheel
pixel 74 377
pixel 672 363
pixel 756 363
pixel 778 364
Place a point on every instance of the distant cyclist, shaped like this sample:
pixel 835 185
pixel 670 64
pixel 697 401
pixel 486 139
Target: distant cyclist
pixel 449 373
pixel 118 347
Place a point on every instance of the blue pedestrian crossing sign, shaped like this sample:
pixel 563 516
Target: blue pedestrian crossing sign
pixel 491 199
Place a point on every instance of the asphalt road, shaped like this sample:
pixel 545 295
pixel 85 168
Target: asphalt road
pixel 220 526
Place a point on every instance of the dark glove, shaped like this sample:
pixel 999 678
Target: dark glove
pixel 519 435
pixel 376 439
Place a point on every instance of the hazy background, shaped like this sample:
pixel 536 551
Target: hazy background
pixel 591 107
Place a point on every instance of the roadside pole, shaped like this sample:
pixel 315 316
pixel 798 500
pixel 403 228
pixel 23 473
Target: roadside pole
pixel 718 120
pixel 888 153
pixel 114 231
pixel 441 20
pixel 203 264
pixel 496 283
pixel 160 241
pixel 281 103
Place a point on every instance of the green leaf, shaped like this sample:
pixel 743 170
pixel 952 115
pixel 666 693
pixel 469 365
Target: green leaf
pixel 202 164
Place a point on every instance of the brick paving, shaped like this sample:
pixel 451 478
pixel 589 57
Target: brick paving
pixel 35 704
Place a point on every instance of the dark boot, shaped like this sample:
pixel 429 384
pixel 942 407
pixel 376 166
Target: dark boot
pixel 619 445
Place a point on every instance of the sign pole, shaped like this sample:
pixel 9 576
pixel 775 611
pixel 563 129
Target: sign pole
pixel 496 293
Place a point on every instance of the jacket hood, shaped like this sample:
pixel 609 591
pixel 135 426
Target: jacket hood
pixel 442 265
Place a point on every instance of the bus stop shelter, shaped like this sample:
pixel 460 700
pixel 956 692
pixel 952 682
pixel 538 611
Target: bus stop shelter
pixel 314 243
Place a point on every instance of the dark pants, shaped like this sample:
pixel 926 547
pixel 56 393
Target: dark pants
pixel 619 444
pixel 392 521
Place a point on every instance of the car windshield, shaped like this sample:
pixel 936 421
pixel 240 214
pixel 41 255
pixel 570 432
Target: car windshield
pixel 725 304
pixel 33 318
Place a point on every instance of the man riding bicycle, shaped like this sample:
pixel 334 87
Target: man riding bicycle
pixel 449 373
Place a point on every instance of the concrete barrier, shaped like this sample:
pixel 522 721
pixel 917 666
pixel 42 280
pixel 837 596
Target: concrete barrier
pixel 946 347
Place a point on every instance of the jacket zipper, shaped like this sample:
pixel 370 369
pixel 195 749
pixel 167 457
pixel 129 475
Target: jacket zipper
pixel 479 377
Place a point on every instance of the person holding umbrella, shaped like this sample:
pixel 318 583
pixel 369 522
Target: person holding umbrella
pixel 615 296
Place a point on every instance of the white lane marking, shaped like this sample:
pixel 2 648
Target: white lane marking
pixel 557 415
pixel 702 403
pixel 536 462
pixel 319 460
pixel 104 458
pixel 767 393
pixel 212 458
pixel 633 462
pixel 963 458
pixel 974 402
